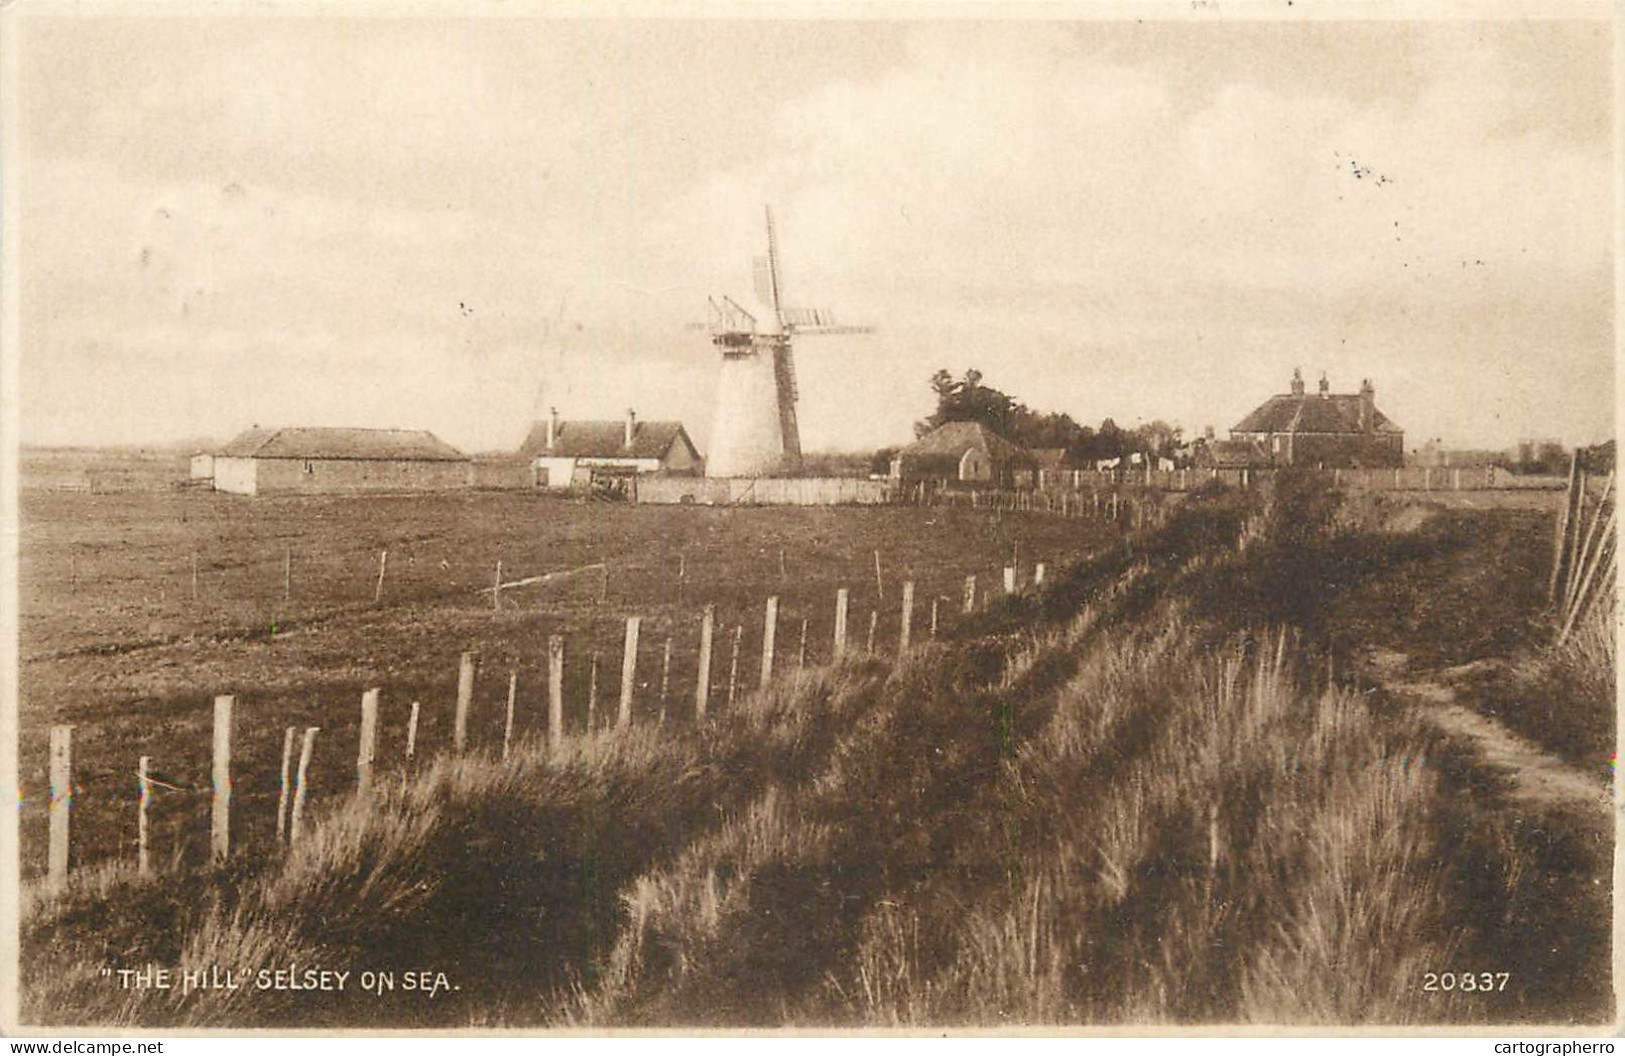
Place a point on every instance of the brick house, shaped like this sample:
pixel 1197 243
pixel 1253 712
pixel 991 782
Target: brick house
pixel 1325 430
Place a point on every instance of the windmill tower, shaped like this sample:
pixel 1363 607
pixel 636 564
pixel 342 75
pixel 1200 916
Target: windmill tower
pixel 755 431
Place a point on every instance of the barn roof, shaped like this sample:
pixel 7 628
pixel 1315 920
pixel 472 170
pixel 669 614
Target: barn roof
pixel 1311 414
pixel 383 445
pixel 605 439
pixel 1050 457
pixel 1235 454
pixel 953 439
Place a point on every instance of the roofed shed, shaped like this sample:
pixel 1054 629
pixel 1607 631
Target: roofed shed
pixel 965 453
pixel 326 461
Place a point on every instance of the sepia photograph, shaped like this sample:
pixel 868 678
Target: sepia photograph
pixel 796 517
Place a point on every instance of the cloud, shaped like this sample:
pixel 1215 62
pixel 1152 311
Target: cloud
pixel 467 223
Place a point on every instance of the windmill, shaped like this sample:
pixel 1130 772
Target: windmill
pixel 755 429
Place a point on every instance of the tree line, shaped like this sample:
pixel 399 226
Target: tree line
pixel 969 399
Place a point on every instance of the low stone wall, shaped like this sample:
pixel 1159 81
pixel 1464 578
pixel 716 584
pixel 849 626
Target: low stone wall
pixel 763 491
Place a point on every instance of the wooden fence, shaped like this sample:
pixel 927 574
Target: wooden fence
pixel 651 705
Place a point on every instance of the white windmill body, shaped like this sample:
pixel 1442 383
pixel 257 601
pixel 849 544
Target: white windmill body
pixel 755 431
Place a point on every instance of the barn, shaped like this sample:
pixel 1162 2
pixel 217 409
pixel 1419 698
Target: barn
pixel 577 454
pixel 1326 430
pixel 323 461
pixel 965 453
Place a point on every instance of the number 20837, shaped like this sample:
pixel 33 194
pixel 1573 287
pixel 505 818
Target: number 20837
pixel 1469 982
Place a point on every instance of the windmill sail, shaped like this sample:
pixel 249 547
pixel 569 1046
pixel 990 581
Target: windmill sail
pixel 756 429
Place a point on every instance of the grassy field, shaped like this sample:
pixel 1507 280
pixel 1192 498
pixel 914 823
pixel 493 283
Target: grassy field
pixel 1165 788
pixel 114 644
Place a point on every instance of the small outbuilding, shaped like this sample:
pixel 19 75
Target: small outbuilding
pixel 325 461
pixel 965 453
pixel 579 454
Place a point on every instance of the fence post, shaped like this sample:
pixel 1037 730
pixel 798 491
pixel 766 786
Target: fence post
pixel 496 589
pixel 287 574
pixel 285 786
pixel 733 664
pixel 220 821
pixel 934 616
pixel 592 693
pixel 840 623
pixel 629 670
pixel 665 678
pixel 378 591
pixel 702 684
pixel 465 697
pixel 869 643
pixel 194 575
pixel 411 745
pixel 880 586
pixel 1560 538
pixel 555 692
pixel 507 724
pixel 368 749
pixel 143 862
pixel 301 781
pixel 801 655
pixel 1009 579
pixel 770 630
pixel 906 620
pixel 61 802
pixel 970 593
pixel 1038 574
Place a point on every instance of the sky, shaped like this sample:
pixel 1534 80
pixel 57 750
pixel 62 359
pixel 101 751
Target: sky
pixel 457 224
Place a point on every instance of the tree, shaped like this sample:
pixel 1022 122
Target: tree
pixel 968 400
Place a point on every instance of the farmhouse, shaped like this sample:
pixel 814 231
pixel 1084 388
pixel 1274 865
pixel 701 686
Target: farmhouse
pixel 575 454
pixel 319 461
pixel 964 453
pixel 1325 430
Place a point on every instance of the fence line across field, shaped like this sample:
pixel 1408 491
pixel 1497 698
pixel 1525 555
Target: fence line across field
pixel 294 781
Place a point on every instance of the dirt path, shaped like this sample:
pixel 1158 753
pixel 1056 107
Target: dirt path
pixel 1533 777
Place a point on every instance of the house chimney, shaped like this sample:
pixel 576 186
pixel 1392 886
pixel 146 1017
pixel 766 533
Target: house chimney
pixel 1208 433
pixel 631 425
pixel 1297 382
pixel 1368 406
pixel 1325 386
pixel 552 426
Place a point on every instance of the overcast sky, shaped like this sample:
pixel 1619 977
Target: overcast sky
pixel 455 224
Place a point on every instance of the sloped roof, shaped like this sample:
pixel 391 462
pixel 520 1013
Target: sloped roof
pixel 1237 453
pixel 1050 457
pixel 953 439
pixel 605 439
pixel 387 445
pixel 1311 414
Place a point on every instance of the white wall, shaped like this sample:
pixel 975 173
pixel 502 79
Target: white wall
pixel 560 471
pixel 236 475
